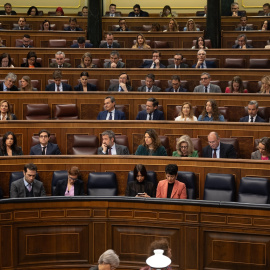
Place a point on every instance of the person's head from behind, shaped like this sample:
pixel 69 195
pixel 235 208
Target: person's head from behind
pixel 171 173
pixel 5 60
pixel 112 8
pixel 264 146
pixel 137 9
pixel 29 172
pixel 85 11
pixel 57 76
pixel 184 146
pixel 160 244
pixel 109 260
pixel 140 173
pixel 32 11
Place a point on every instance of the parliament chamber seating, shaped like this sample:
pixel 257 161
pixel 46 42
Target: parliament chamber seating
pixel 117 13
pixel 38 60
pixel 35 139
pixel 66 112
pixel 183 83
pixel 151 177
pixel 57 43
pixel 58 175
pixel 26 25
pixel 34 83
pixel 85 144
pixel 259 63
pixel 52 25
pixel 189 179
pixel 197 143
pixel 263 112
pixel 1 193
pixel 19 42
pixel 160 44
pixel 62 80
pixel 121 139
pixel 165 142
pixel 18 175
pixel 92 81
pixel 234 142
pixel 156 83
pixel 37 112
pixel 234 63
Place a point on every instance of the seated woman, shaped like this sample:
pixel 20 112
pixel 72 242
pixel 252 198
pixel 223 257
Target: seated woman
pixel 59 12
pixel 26 84
pixel 84 85
pixel 200 44
pixel 263 152
pixel 172 26
pixel 155 27
pixel 140 43
pixel 32 11
pixel 265 26
pixel 72 186
pixel 265 89
pixel 236 86
pixel 167 12
pixel 185 148
pixel 86 61
pixel 31 61
pixel 140 187
pixel 5 111
pixel 210 112
pixel 186 113
pixel 46 25
pixel 151 145
pixel 9 145
pixel 191 26
pixel 5 60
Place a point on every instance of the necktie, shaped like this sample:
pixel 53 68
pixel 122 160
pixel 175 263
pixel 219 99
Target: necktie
pixel 29 187
pixel 43 150
pixel 58 88
pixel 178 66
pixel 110 46
pixel 110 117
pixel 251 119
pixel 109 150
pixel 148 89
pixel 60 66
pixel 150 116
pixel 205 89
pixel 154 65
pixel 215 153
pixel 201 66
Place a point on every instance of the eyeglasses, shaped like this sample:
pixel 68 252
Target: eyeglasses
pixel 71 178
pixel 204 78
pixel 45 136
pixel 177 59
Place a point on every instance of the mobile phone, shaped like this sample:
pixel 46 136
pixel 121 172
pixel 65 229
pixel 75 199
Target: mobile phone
pixel 140 194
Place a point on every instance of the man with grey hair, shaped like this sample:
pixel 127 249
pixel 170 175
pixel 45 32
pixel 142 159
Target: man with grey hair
pixel 242 42
pixel 109 147
pixel 8 84
pixel 252 116
pixel 60 61
pixel 114 61
pixel 206 86
pixel 109 260
pixel 202 63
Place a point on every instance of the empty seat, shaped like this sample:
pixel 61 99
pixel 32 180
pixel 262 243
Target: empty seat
pixel 197 143
pixel 253 190
pixel 259 63
pixel 234 142
pixel 37 112
pixel 224 112
pixel 165 142
pixel 122 140
pixel 102 184
pixel 234 63
pixel 189 179
pixel 146 27
pixel 219 187
pixel 200 13
pixel 66 112
pixel 57 175
pixel 85 145
pixel 51 13
pixel 57 43
pixel 160 44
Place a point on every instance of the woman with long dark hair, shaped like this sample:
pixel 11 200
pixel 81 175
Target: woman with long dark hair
pixel 9 145
pixel 210 112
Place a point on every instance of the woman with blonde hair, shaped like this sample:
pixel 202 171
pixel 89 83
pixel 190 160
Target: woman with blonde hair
pixel 172 26
pixel 186 113
pixel 140 43
pixel 191 26
pixel 86 61
pixel 185 148
pixel 5 113
pixel 26 84
pixel 265 89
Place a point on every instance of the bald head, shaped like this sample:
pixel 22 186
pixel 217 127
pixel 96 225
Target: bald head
pixel 213 140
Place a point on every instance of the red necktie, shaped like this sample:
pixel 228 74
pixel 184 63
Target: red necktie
pixel 215 153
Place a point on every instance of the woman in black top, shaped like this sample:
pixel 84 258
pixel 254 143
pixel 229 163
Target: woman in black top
pixel 9 145
pixel 31 61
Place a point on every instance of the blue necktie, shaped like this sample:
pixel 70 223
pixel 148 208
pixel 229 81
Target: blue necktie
pixel 110 117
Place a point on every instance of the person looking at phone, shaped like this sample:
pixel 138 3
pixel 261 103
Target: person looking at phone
pixel 140 187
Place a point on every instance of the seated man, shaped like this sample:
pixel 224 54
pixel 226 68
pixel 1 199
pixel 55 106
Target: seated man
pixel 8 10
pixel 253 108
pixel 206 86
pixel 155 63
pixel 26 42
pixel 73 25
pixel 242 42
pixel 123 85
pixel 109 147
pixel 266 9
pixel 8 84
pixel 58 86
pixel 27 186
pixel 107 261
pixel 85 11
pixel 202 63
pixel 171 187
pixel 44 147
pixel 110 112
pixel 122 25
pixel 178 62
pixel 60 61
pixel 137 12
pixel 217 149
pixel 109 42
pixel 235 10
pixel 112 11
pixel 81 43
pixel 176 85
pixel 21 25
pixel 114 61
pixel 243 25
pixel 151 112
pixel 149 84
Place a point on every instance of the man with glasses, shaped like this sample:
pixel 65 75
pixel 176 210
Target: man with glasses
pixel 242 42
pixel 44 147
pixel 137 12
pixel 122 25
pixel 202 63
pixel 178 62
pixel 206 86
pixel 217 149
pixel 176 85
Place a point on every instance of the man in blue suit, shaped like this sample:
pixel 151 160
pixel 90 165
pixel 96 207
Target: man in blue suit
pixel 137 12
pixel 110 112
pixel 201 63
pixel 72 25
pixel 155 63
pixel 176 85
pixel 81 43
pixel 253 108
pixel 45 147
pixel 151 112
pixel 58 86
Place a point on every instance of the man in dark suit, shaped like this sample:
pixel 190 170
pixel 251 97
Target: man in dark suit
pixel 8 10
pixel 114 61
pixel 137 12
pixel 27 186
pixel 253 108
pixel 21 25
pixel 26 42
pixel 109 42
pixel 73 25
pixel 266 9
pixel 176 85
pixel 122 25
pixel 151 112
pixel 45 147
pixel 206 86
pixel 202 63
pixel 58 85
pixel 243 25
pixel 149 84
pixel 178 62
pixel 109 147
pixel 235 10
pixel 112 11
pixel 60 61
pixel 217 149
pixel 242 42
pixel 81 43
pixel 8 84
pixel 123 85
pixel 110 112
pixel 155 63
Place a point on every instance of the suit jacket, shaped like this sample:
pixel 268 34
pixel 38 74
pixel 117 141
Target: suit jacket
pixel 69 29
pixel 13 88
pixel 226 151
pixel 36 64
pixel 119 29
pixel 257 155
pixel 119 64
pixel 209 64
pixel 182 65
pixel 118 115
pixel 179 190
pixel 158 115
pixel 61 187
pixel 3 12
pixel 52 149
pixel 246 118
pixel 148 64
pixel 213 88
pixel 142 14
pixel 51 87
pixel 90 87
pixel 236 46
pixel 171 89
pixel 18 28
pixel 115 87
pixel 55 65
pixel 25 47
pixel 87 45
pixel 114 45
pixel 17 189
pixel 120 150
pixel 248 28
pixel 154 89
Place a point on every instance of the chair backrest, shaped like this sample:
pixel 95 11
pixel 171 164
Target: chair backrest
pixel 234 63
pixel 224 112
pixel 160 44
pixel 37 112
pixel 219 187
pixel 35 140
pixel 259 63
pixel 146 27
pixel 171 61
pixel 102 184
pixel 151 177
pixel 85 145
pixel 165 142
pixel 189 179
pixel 57 43
pixel 253 190
pixel 66 112
pixel 19 42
pixel 39 60
pixel 57 175
pixel 200 13
pixel 249 42
pixel 121 139
pixel 18 175
pixel 51 13
pixel 178 109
